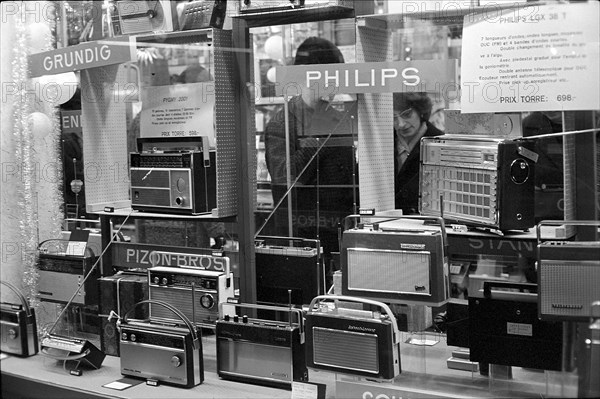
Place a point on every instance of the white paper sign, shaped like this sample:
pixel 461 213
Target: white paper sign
pixel 533 58
pixel 179 110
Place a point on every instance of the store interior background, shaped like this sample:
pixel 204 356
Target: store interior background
pixel 38 170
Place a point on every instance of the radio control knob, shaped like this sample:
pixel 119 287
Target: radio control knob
pixel 176 361
pixel 12 333
pixel 179 201
pixel 156 280
pixel 236 318
pixel 133 338
pixel 124 336
pixel 207 301
pixel 245 319
pixel 164 281
pixel 226 317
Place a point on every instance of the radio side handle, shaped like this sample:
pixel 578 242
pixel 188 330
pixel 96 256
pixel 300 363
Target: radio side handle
pixel 365 301
pixel 20 295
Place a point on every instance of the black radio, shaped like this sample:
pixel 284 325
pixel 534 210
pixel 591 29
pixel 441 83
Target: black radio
pixel 173 176
pixel 196 292
pixel 478 180
pixel 395 261
pixel 352 341
pixel 279 345
pixel 203 14
pixel 18 326
pixel 160 352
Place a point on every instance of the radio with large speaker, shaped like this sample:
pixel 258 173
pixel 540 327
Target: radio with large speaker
pixel 352 341
pixel 18 327
pixel 286 263
pixel 480 181
pixel 393 262
pixel 173 175
pixel 195 292
pixel 568 275
pixel 278 345
pixel 161 352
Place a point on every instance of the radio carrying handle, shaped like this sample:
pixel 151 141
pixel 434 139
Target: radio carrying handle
pixel 538 227
pixel 183 317
pixel 20 295
pixel 364 301
pixel 440 220
pixel 290 310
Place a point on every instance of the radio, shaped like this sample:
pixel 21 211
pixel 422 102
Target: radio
pixel 129 17
pixel 159 352
pixel 478 180
pixel 173 176
pixel 393 263
pixel 203 14
pixel 62 274
pixel 72 349
pixel 364 343
pixel 568 276
pixel 18 326
pixel 197 293
pixel 280 268
pixel 279 346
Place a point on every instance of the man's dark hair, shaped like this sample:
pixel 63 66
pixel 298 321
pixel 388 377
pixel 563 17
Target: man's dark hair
pixel 418 101
pixel 316 50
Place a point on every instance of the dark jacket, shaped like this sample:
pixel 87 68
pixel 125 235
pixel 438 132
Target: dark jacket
pixel 407 179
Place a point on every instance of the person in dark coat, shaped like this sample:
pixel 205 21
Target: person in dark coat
pixel 411 123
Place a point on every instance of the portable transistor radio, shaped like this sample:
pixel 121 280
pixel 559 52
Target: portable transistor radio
pixel 18 326
pixel 364 343
pixel 481 181
pixel 161 352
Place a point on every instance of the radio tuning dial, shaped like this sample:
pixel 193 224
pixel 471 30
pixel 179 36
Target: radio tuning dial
pixel 207 301
pixel 176 361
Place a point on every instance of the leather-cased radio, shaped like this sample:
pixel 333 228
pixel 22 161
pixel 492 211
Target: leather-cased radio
pixel 18 327
pixel 195 292
pixel 480 181
pixel 277 345
pixel 161 352
pixel 173 176
pixel 394 263
pixel 352 341
pixel 568 276
pixel 280 268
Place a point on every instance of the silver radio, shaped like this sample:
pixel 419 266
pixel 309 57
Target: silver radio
pixel 196 292
pixel 18 326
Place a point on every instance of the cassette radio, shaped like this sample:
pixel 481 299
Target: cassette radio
pixel 173 176
pixel 393 263
pixel 160 352
pixel 480 181
pixel 568 276
pixel 195 292
pixel 18 327
pixel 351 341
pixel 279 345
pixel 280 268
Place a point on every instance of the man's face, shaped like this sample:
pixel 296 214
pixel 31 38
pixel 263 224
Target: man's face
pixel 407 122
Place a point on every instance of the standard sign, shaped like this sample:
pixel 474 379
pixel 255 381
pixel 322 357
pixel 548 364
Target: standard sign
pixel 82 56
pixel 370 77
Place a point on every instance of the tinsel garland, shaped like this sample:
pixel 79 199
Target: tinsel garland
pixel 30 209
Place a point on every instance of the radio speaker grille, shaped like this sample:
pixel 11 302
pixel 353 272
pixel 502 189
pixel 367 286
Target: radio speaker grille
pixel 568 288
pixel 345 349
pixel 389 270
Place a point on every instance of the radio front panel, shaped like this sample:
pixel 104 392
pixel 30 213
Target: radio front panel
pixel 153 187
pixel 175 285
pixel 478 181
pixel 394 266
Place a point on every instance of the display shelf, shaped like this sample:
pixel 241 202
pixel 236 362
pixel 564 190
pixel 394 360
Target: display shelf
pixel 294 16
pixel 136 214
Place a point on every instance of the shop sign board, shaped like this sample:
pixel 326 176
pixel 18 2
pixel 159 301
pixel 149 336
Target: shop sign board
pixel 186 109
pixel 70 121
pixel 432 76
pixel 82 56
pixel 531 58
